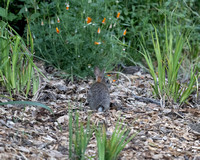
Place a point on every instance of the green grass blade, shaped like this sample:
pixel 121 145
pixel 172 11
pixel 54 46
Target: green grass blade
pixel 70 133
pixel 29 103
pixel 14 63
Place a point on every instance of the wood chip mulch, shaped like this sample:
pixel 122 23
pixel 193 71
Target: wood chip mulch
pixel 168 133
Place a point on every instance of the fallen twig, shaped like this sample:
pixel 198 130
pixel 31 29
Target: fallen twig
pixel 146 100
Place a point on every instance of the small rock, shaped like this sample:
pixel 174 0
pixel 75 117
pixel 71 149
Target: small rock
pixel 61 88
pixel 157 156
pixel 23 149
pixel 63 119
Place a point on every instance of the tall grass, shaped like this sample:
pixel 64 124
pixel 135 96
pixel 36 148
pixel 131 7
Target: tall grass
pixel 18 73
pixel 110 148
pixel 79 136
pixel 169 58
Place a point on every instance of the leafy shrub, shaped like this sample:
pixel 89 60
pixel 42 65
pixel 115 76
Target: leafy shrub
pixel 140 16
pixel 73 48
pixel 68 41
pixel 9 10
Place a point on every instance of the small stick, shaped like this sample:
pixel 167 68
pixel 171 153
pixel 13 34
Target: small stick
pixel 147 100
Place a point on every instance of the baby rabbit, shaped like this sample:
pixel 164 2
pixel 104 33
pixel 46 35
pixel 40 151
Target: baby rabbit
pixel 98 95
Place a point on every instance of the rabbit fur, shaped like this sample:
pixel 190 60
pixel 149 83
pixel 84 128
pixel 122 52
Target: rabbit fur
pixel 98 95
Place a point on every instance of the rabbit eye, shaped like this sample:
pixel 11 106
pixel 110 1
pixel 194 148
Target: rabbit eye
pixel 107 81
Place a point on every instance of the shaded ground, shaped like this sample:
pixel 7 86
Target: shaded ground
pixel 32 133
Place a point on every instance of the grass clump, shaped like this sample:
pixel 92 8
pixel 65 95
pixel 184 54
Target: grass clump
pixel 110 148
pixel 18 73
pixel 169 58
pixel 79 137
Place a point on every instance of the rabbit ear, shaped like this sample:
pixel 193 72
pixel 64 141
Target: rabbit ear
pixel 96 71
pixel 103 71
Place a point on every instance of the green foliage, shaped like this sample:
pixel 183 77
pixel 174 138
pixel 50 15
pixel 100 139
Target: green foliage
pixel 101 142
pixel 74 46
pixel 169 59
pixel 17 72
pixel 7 16
pixel 140 16
pixel 109 149
pixel 78 137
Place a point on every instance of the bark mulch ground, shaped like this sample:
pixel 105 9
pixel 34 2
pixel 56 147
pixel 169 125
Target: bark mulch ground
pixel 171 132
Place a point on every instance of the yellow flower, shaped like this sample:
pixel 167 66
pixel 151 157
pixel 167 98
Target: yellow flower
pixel 57 30
pixel 88 19
pixel 104 21
pixel 118 14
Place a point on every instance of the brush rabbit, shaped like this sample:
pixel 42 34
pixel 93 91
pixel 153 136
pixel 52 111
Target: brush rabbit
pixel 98 95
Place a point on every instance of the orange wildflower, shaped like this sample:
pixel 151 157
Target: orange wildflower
pixel 58 20
pixel 104 21
pixel 124 32
pixel 114 80
pixel 89 20
pixel 99 30
pixel 57 30
pixel 97 43
pixel 67 6
pixel 118 14
pixel 42 23
pixel 108 75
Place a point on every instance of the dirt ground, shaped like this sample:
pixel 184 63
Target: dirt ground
pixel 169 132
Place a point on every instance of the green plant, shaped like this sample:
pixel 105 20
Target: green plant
pixel 169 60
pixel 109 149
pixel 28 103
pixel 101 142
pixel 66 40
pixel 138 17
pixel 78 137
pixel 17 70
pixel 4 12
